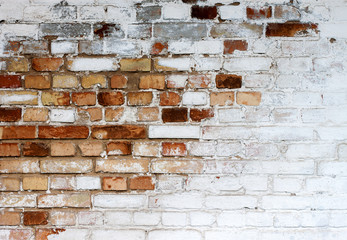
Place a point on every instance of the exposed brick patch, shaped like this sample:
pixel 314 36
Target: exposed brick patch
pixel 35 149
pixel 119 81
pixel 10 81
pixel 114 184
pixel 231 45
pixel 159 48
pixel 228 81
pixel 171 149
pixel 35 218
pixel 204 12
pixel 118 132
pixel 37 82
pixel 169 99
pixel 197 115
pixel 84 98
pixel 175 115
pixel 119 148
pixel 110 98
pixel 9 150
pixel 142 183
pixel 139 98
pixel 47 64
pixel 18 132
pixel 63 132
pixel 290 29
pixel 261 13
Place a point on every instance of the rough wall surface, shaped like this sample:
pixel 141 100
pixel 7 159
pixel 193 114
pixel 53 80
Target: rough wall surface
pixel 175 119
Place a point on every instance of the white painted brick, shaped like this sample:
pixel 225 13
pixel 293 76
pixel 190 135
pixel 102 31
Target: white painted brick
pixel 19 30
pixel 257 114
pixel 261 150
pixel 174 219
pixel 231 202
pixel 174 235
pixel 276 99
pixel 146 218
pixel 314 219
pixel 122 48
pixel 92 13
pixel 284 133
pixel 302 151
pixel 287 65
pixel 202 149
pixel 237 234
pixel 64 47
pixel 119 201
pixel 228 132
pixel 92 64
pixel 292 167
pixel 307 99
pixel 338 219
pixel 288 81
pixel 288 115
pixel 201 219
pixel 178 201
pixel 254 183
pixel 286 202
pixel 16 200
pixel 62 115
pixel 120 14
pixel 148 149
pixel 227 149
pixel 259 219
pixel 207 63
pixel 335 30
pixel 176 11
pixel 177 81
pixel 170 182
pixel 181 47
pixel 174 131
pixel 118 234
pixel 286 184
pixel 209 47
pixel 339 13
pixel 90 218
pixel 247 64
pixel 287 220
pixel 118 218
pixel 327 184
pixel 332 133
pixel 213 183
pixel 194 98
pixel 231 219
pixel 71 234
pixel 257 80
pixel 332 168
pixel 325 202
pixel 178 64
pixel 230 115
pixel 88 183
pixel 232 12
pixel 342 151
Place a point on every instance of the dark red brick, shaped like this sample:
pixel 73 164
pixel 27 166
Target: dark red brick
pixel 228 81
pixel 175 115
pixel 262 13
pixel 119 132
pixel 35 149
pixel 289 29
pixel 10 114
pixel 10 81
pixel 204 12
pixel 64 132
pixel 35 218
pixel 231 45
pixel 200 114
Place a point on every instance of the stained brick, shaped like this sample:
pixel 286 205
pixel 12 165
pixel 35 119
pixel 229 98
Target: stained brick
pixel 19 166
pixel 134 65
pixel 55 98
pixel 110 98
pixel 119 132
pixel 10 81
pixel 10 114
pixel 18 97
pixel 140 98
pixel 248 98
pixel 152 81
pixel 222 98
pixel 119 81
pixel 204 12
pixel 142 183
pixel 172 149
pixel 47 64
pixel 35 115
pixel 290 29
pixel 35 218
pixel 113 115
pixel 197 115
pixel 42 233
pixel 65 30
pixel 199 81
pixel 9 150
pixel 175 115
pixel 231 45
pixel 261 13
pixel 18 65
pixel 37 82
pixel 119 148
pixel 114 184
pixel 91 81
pixel 148 13
pixel 84 98
pixel 17 132
pixel 63 132
pixel 148 114
pixel 9 218
pixel 35 149
pixel 228 81
pixel 66 166
pixel 65 81
pixel 122 166
pixel 95 114
pixel 159 48
pixel 169 99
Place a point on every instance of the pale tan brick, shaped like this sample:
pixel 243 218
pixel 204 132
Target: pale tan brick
pixel 35 115
pixel 122 166
pixel 62 149
pixel 91 148
pixel 63 218
pixel 75 200
pixel 9 184
pixel 65 81
pixel 35 183
pixel 93 80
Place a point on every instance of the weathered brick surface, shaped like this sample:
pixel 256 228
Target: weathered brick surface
pixel 175 119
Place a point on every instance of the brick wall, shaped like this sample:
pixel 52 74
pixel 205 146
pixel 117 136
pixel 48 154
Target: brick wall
pixel 175 119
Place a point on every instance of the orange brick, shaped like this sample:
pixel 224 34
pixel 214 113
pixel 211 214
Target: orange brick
pixel 114 184
pixel 148 114
pixel 62 149
pixel 84 98
pixel 152 81
pixel 169 99
pixel 10 81
pixel 37 82
pixel 134 65
pixel 110 98
pixel 9 218
pixel 159 48
pixel 91 148
pixel 9 150
pixel 55 98
pixel 119 81
pixel 199 81
pixel 113 115
pixel 35 218
pixel 47 64
pixel 119 132
pixel 248 98
pixel 140 98
pixel 9 184
pixel 35 115
pixel 95 114
pixel 35 183
pixel 63 132
pixel 119 148
pixel 222 98
pixel 17 132
pixel 93 80
pixel 142 183
pixel 172 149
pixel 200 114
pixel 18 65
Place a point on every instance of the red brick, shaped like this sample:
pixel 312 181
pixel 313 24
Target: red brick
pixel 18 132
pixel 37 82
pixel 140 98
pixel 261 13
pixel 200 114
pixel 231 45
pixel 9 218
pixel 35 218
pixel 171 149
pixel 199 81
pixel 119 81
pixel 119 132
pixel 204 12
pixel 228 81
pixel 119 148
pixel 142 183
pixel 110 98
pixel 9 150
pixel 159 48
pixel 114 184
pixel 289 29
pixel 10 81
pixel 47 64
pixel 35 149
pixel 10 114
pixel 84 98
pixel 63 132
pixel 175 115
pixel 169 99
